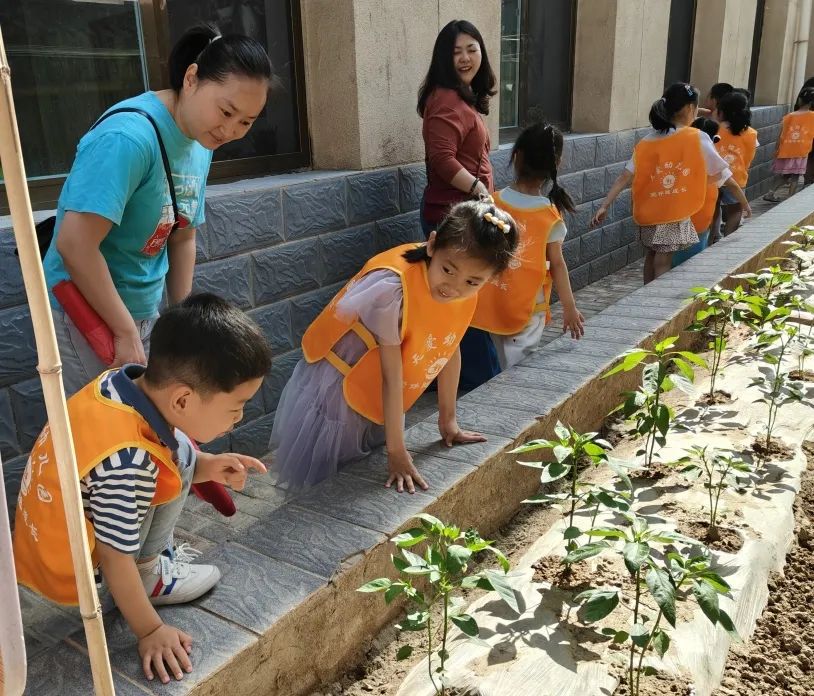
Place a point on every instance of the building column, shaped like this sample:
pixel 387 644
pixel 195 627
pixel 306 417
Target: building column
pixel 364 62
pixel 781 50
pixel 619 60
pixel 722 45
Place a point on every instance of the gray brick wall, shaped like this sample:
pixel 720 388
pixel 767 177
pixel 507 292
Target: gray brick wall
pixel 280 247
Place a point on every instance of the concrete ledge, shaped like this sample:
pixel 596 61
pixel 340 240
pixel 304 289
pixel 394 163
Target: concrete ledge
pixel 286 615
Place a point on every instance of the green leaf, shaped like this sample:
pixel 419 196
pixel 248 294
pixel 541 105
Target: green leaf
pixel 501 558
pixel 586 551
pixel 572 533
pixel 554 471
pixel 404 652
pixel 413 559
pixel 533 446
pixel 393 591
pixel 562 453
pixel 600 604
pixel 429 519
pixel 466 623
pixel 685 368
pixel 663 419
pixel 377 585
pixel 707 599
pixel 660 642
pixel 606 532
pixel 728 625
pixel 409 538
pixel 661 587
pixel 639 634
pixel 399 562
pixel 503 589
pixel 594 450
pixel 457 557
pixel 634 554
pixel 715 580
pixel 693 358
pixel 562 432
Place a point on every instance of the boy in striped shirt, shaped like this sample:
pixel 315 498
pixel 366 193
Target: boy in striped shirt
pixel 131 430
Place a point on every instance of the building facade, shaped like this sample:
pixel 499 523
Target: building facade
pixel 333 172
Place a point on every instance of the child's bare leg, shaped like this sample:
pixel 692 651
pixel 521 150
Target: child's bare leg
pixel 794 181
pixel 732 215
pixel 662 262
pixel 649 273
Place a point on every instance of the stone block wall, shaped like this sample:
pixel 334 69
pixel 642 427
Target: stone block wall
pixel 280 247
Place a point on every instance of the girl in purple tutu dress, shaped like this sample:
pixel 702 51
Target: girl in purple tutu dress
pixel 392 330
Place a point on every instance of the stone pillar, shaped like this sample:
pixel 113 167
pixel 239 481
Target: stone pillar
pixel 722 45
pixel 775 65
pixel 364 62
pixel 619 60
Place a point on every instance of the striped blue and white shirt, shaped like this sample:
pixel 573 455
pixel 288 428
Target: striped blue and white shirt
pixel 116 495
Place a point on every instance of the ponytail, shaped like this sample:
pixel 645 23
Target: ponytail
pixel 535 154
pixel 217 57
pixel 676 97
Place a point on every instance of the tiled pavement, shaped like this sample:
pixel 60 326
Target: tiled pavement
pixel 276 544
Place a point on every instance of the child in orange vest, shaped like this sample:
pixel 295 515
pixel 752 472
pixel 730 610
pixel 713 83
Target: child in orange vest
pixel 670 169
pixel 393 329
pixel 737 145
pixel 514 306
pixel 131 428
pixel 793 145
pixel 703 219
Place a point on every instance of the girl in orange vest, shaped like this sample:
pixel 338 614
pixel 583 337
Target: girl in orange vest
pixel 793 145
pixel 704 218
pixel 670 169
pixel 514 306
pixel 737 145
pixel 393 329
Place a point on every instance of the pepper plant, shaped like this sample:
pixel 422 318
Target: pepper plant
pixel 769 282
pixel 645 406
pixel 715 317
pixel 719 471
pixel 661 576
pixel 433 578
pixel 573 453
pixel 773 342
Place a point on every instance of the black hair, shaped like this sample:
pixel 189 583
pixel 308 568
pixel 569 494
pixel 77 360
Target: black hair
pixel 675 98
pixel 207 344
pixel 734 108
pixel 466 227
pixel 442 69
pixel 709 126
pixel 719 90
pixel 217 56
pixel 745 92
pixel 539 148
pixel 806 98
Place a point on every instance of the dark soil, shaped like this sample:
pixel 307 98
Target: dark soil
pixel 804 376
pixel 776 450
pixel 655 472
pixel 721 539
pixel 718 397
pixel 779 659
pixel 579 577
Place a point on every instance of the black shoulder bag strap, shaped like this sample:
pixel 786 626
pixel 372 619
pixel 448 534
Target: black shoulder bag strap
pixel 45 229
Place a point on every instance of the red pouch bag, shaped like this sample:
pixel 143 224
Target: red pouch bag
pixel 90 324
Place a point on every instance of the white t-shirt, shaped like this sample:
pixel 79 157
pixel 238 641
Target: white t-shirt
pixel 716 165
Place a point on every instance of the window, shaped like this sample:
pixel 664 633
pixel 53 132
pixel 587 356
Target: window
pixel 537 44
pixel 756 39
pixel 73 59
pixel 679 41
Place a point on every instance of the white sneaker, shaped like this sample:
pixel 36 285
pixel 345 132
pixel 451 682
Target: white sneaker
pixel 174 580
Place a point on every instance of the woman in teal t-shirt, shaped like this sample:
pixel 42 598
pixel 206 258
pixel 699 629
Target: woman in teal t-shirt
pixel 113 234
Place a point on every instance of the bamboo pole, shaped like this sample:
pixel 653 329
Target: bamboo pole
pixel 50 369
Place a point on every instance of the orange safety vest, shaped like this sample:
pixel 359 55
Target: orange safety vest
pixel 507 302
pixel 100 427
pixel 669 178
pixel 738 151
pixel 796 136
pixel 430 333
pixel 703 218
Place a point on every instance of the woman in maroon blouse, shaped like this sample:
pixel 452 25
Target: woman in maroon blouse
pixel 452 101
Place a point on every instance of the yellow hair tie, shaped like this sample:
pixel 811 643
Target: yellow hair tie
pixel 502 225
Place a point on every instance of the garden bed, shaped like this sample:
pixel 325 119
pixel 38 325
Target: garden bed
pixel 552 643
